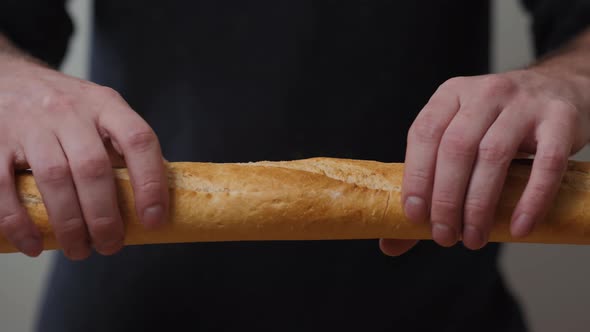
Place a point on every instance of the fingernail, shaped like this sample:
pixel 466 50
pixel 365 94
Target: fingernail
pixel 78 251
pixel 153 215
pixel 109 247
pixel 31 246
pixel 474 236
pixel 522 226
pixel 111 244
pixel 415 209
pixel 444 234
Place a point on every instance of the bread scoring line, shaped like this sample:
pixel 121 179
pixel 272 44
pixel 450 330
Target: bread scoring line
pixel 319 169
pixel 316 168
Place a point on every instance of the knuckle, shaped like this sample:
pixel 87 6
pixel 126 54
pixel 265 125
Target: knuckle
pixel 456 145
pixel 419 176
pixel 452 83
pixel 494 86
pixel 57 172
pixel 12 222
pixel 445 205
pixel 494 152
pixel 567 111
pixel 150 187
pixel 425 130
pixel 106 93
pixel 92 168
pixel 141 139
pixel 57 101
pixel 538 193
pixel 70 229
pixel 476 207
pixel 552 161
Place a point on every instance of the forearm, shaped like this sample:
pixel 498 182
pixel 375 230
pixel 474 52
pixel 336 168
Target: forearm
pixel 10 52
pixel 7 48
pixel 572 64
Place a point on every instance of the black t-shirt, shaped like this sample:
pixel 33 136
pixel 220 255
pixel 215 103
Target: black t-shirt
pixel 251 80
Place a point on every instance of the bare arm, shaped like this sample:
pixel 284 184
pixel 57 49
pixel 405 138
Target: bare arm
pixel 571 63
pixel 6 46
pixel 462 142
pixel 10 52
pixel 58 125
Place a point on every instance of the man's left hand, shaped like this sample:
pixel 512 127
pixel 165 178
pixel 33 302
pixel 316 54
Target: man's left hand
pixel 463 141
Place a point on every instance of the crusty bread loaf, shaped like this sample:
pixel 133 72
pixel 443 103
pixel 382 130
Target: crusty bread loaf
pixel 318 198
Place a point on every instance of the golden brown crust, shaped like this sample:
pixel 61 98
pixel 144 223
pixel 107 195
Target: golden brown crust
pixel 317 198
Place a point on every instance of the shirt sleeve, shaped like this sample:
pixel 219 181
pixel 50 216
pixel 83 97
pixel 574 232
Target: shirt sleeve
pixel 42 28
pixel 555 22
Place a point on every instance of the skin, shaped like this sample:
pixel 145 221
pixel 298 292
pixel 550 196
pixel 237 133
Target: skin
pixel 459 149
pixel 66 129
pixel 463 140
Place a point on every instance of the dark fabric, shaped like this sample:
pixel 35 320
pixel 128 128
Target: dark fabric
pixel 274 286
pixel 250 80
pixel 556 22
pixel 285 79
pixel 42 28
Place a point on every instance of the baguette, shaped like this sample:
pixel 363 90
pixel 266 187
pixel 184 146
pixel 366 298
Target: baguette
pixel 311 199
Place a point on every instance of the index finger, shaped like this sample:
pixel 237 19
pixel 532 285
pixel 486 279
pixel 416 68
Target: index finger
pixel 420 162
pixel 548 168
pixel 143 157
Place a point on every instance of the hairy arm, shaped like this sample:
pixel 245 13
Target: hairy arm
pixel 7 48
pixel 10 52
pixel 462 142
pixel 571 63
pixel 58 126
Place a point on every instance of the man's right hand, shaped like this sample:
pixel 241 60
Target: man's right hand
pixel 58 125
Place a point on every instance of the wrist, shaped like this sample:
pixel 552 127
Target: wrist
pixel 570 81
pixel 569 68
pixel 12 55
